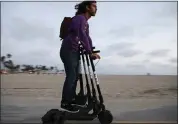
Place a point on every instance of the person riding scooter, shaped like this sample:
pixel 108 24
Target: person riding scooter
pixel 69 52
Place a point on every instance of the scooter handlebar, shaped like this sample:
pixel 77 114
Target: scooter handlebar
pixel 96 51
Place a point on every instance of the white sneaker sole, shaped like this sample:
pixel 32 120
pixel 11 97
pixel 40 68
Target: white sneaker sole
pixel 69 110
pixel 79 105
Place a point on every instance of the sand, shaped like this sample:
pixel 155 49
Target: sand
pixel 25 93
pixel 111 86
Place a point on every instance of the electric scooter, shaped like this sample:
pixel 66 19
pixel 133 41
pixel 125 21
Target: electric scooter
pixel 93 104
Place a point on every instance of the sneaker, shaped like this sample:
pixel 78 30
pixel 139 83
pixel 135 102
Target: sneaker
pixel 69 108
pixel 74 103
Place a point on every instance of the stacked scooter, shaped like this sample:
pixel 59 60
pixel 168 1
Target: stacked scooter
pixel 94 108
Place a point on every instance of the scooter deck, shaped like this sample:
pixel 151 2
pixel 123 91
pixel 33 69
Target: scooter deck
pixel 79 116
pixel 83 114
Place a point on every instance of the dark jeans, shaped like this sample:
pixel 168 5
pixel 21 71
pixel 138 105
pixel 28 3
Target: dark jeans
pixel 71 64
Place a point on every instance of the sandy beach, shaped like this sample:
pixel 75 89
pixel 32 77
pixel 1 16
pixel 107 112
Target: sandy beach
pixel 24 94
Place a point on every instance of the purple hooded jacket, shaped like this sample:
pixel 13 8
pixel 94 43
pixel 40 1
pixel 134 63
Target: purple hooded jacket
pixel 78 31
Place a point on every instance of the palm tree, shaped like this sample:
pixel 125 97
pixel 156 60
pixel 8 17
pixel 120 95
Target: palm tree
pixel 17 67
pixel 3 58
pixel 10 65
pixel 9 55
pixel 14 68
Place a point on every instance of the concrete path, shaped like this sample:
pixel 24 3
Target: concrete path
pixel 127 111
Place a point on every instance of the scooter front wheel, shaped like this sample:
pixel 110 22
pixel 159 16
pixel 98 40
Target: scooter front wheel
pixel 105 117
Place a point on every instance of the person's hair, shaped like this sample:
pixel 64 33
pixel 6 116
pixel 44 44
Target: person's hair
pixel 81 7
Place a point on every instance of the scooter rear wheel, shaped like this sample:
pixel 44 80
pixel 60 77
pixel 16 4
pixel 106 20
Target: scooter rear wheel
pixel 105 117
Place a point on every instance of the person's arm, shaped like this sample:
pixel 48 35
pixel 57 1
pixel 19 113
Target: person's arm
pixel 94 56
pixel 90 40
pixel 78 27
pixel 83 35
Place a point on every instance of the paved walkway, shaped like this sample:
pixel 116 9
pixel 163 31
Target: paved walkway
pixel 26 110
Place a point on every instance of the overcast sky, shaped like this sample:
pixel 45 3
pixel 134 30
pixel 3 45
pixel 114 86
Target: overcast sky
pixel 134 37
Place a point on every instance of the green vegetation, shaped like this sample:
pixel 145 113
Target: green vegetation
pixel 11 67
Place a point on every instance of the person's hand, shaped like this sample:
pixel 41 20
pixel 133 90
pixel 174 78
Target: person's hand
pixel 95 56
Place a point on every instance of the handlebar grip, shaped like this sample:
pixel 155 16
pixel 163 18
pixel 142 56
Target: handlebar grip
pixel 96 51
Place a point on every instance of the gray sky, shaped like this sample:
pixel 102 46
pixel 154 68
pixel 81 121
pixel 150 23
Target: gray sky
pixel 134 37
